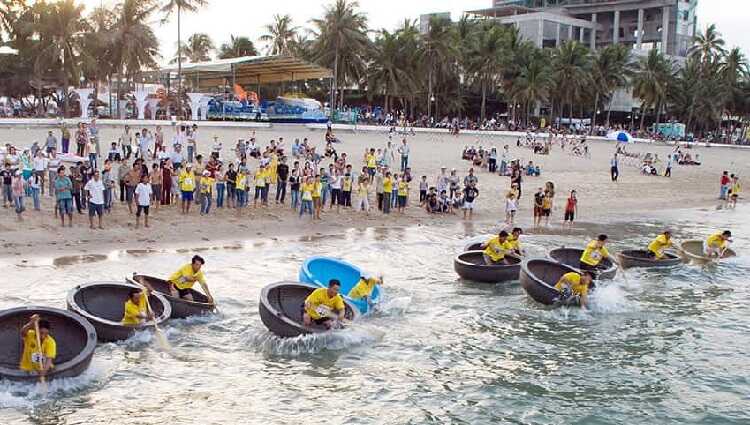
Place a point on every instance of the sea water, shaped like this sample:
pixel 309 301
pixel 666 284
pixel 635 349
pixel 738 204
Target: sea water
pixel 656 346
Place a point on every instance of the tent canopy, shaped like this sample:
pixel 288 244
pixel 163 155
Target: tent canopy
pixel 249 70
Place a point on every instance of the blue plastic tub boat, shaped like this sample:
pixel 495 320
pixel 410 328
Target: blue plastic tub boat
pixel 320 270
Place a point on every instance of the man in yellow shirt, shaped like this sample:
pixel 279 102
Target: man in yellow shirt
pixel 183 280
pixel 36 359
pixel 186 182
pixel 717 244
pixel 387 189
pixel 659 244
pixel 496 249
pixel 515 240
pixel 364 288
pixel 575 285
pixel 136 309
pixel 324 306
pixel 593 255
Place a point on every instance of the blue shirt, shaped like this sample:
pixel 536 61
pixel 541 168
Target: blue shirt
pixel 63 185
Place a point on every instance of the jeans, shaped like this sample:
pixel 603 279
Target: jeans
pixel 18 202
pixel 108 199
pixel 206 203
pixel 92 160
pixel 503 167
pixel 65 145
pixel 190 153
pixel 394 198
pixel 220 195
pixel 295 198
pixel 264 195
pixel 379 197
pixel 281 191
pixel 52 176
pixel 35 196
pixel 122 190
pixel 77 201
pixel 241 194
pixel 492 165
pixel 306 206
pixel 386 202
pixel 324 194
pixel 404 163
pixel 7 193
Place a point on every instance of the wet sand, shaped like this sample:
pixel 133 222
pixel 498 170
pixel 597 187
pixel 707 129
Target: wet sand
pixel 600 200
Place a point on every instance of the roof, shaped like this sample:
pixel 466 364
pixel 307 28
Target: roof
pixel 500 11
pixel 254 70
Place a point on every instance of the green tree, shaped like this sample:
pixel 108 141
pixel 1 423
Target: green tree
pixel 197 49
pixel 437 54
pixel 279 35
pixel 237 47
pixel 611 69
pixel 388 71
pixel 488 57
pixel 651 82
pixel 534 81
pixel 571 66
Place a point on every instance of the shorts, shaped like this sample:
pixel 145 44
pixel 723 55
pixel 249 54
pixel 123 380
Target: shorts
pixel 468 205
pixel 187 195
pixel 537 211
pixel 402 201
pixel 143 208
pixel 65 206
pixel 594 270
pixel 183 292
pixel 545 212
pixel 95 209
pixel 129 191
pixel 570 215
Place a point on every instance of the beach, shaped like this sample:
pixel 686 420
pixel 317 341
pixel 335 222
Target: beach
pixel 600 199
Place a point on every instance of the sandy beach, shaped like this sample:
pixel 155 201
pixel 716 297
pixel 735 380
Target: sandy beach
pixel 600 199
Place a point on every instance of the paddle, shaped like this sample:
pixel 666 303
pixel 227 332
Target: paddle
pixel 42 378
pixel 161 339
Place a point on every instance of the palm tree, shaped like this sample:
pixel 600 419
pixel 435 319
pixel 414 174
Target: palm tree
pixel 437 53
pixel 534 81
pixel 708 46
pixel 571 64
pixel 733 72
pixel 611 68
pixel 179 6
pixel 651 82
pixel 341 43
pixel 197 49
pixel 98 48
pixel 387 72
pixel 237 47
pixel 279 35
pixel 488 53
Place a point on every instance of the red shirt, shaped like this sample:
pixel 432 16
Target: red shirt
pixel 724 180
pixel 571 206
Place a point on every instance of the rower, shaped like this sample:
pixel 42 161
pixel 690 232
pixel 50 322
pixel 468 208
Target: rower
pixel 659 244
pixel 593 255
pixel 363 289
pixel 34 359
pixel 573 284
pixel 717 244
pixel 136 308
pixel 183 280
pixel 324 306
pixel 515 240
pixel 496 248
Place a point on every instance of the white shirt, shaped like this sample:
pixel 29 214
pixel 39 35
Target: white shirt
pixel 143 192
pixel 96 191
pixel 336 182
pixel 40 164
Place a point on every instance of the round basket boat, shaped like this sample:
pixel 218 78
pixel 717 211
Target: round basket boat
pixel 572 257
pixel 319 271
pixel 471 266
pixel 181 308
pixel 693 252
pixel 640 258
pixel 474 246
pixel 75 338
pixel 103 304
pixel 281 306
pixel 538 278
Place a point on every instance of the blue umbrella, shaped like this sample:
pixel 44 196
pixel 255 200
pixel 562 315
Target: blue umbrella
pixel 620 136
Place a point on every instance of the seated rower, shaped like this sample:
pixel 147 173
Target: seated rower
pixel 363 289
pixel 496 249
pixel 659 244
pixel 136 309
pixel 515 241
pixel 324 306
pixel 593 255
pixel 35 359
pixel 575 285
pixel 717 244
pixel 183 280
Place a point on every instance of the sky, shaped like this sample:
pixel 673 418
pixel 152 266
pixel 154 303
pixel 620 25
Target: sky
pixel 247 18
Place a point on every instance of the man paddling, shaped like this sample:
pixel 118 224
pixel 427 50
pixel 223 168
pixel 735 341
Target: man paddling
pixel 515 241
pixel 659 244
pixel 183 280
pixel 363 289
pixel 496 249
pixel 136 309
pixel 593 255
pixel 717 244
pixel 573 284
pixel 324 306
pixel 35 359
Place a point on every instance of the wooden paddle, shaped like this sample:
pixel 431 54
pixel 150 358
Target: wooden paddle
pixel 42 378
pixel 161 339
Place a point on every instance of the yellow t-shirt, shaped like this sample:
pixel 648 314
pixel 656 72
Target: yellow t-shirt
pixel 319 297
pixel 260 178
pixel 370 161
pixel 736 188
pixel 307 190
pixel 715 241
pixel 496 250
pixel 207 184
pixel 574 279
pixel 29 359
pixel 515 243
pixel 347 186
pixel 363 190
pixel 185 278
pixel 317 190
pixel 658 245
pixel 186 181
pixel 133 311
pixel 593 255
pixel 239 183
pixel 403 188
pixel 387 185
pixel 363 288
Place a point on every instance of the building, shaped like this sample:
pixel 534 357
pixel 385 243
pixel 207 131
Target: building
pixel 666 25
pixel 424 20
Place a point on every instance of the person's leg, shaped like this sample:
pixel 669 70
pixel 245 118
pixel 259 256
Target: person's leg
pixel 35 198
pixel 283 191
pixel 100 213
pixel 138 217
pixel 122 191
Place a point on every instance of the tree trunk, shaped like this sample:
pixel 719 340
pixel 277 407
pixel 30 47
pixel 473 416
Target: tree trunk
pixel 643 117
pixel 593 114
pixel 609 111
pixel 658 113
pixel 484 101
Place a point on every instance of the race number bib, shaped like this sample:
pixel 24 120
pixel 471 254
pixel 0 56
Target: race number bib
pixel 37 358
pixel 596 255
pixel 323 311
